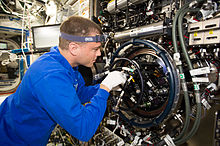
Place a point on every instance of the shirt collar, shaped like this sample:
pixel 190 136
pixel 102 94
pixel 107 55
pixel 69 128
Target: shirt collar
pixel 62 59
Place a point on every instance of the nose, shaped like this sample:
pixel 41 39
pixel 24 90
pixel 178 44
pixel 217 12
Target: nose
pixel 98 52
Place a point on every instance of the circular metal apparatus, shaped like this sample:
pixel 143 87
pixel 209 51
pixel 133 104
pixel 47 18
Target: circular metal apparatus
pixel 9 67
pixel 151 95
pixel 156 86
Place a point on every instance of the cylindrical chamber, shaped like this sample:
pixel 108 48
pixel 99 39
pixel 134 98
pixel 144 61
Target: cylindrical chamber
pixel 143 31
pixel 121 4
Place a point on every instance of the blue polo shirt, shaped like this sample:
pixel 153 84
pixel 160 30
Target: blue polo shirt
pixel 51 92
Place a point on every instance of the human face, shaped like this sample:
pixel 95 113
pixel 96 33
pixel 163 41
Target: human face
pixel 89 53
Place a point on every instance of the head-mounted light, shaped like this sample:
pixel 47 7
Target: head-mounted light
pixel 97 38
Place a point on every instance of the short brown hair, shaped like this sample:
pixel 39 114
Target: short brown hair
pixel 78 26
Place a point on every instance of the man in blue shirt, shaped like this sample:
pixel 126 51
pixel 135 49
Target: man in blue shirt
pixel 52 91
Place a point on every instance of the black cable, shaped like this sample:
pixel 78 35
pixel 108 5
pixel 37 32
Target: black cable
pixel 141 78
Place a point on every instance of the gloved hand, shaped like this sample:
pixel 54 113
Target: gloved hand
pixel 114 79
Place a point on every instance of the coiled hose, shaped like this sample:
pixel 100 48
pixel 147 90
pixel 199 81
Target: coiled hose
pixel 179 140
pixel 197 94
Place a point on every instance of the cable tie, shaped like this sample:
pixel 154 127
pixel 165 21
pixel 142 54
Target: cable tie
pixel 176 58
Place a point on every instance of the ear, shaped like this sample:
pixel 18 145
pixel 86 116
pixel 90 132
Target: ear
pixel 73 48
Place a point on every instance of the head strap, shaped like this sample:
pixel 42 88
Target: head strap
pixel 97 38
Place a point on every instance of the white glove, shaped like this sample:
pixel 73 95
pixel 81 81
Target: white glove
pixel 114 79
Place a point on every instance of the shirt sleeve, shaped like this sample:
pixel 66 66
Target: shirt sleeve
pixel 85 93
pixel 58 98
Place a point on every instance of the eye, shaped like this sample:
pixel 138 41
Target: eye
pixel 95 49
